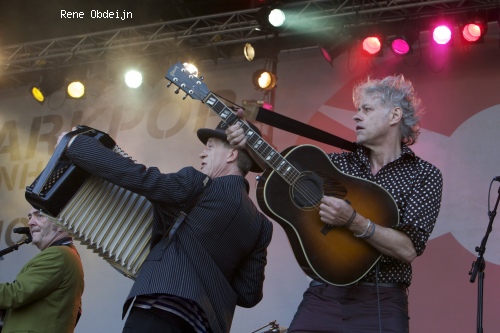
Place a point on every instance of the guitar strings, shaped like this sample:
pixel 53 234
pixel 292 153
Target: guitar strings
pixel 292 174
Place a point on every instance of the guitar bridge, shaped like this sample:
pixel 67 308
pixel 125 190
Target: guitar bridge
pixel 326 228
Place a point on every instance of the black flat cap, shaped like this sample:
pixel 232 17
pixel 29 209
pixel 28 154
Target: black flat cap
pixel 220 132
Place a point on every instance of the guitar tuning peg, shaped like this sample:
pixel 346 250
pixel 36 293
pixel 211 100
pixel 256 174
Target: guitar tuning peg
pixel 202 78
pixel 169 84
pixel 185 96
pixel 177 90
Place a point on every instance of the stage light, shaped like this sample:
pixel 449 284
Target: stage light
pixel 249 52
pixel 333 49
pixel 251 107
pixel 372 45
pixel 473 31
pixel 251 104
pixel 47 86
pixel 267 106
pixel 191 68
pixel 276 17
pixel 75 89
pixel 441 34
pixel 402 43
pixel 264 80
pixel 270 18
pixel 326 54
pixel 261 49
pixel 133 79
pixel 400 46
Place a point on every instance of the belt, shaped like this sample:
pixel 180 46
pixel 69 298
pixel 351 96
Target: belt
pixel 398 285
pixel 171 318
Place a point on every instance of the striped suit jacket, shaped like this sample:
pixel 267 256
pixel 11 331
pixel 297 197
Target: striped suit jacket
pixel 217 256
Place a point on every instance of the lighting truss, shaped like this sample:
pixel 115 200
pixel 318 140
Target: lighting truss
pixel 218 30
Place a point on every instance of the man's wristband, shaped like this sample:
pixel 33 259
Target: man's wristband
pixel 364 234
pixel 351 219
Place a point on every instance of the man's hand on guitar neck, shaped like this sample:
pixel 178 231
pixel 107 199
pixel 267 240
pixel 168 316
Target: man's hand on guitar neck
pixel 237 139
pixel 235 134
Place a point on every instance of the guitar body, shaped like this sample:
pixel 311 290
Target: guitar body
pixel 331 254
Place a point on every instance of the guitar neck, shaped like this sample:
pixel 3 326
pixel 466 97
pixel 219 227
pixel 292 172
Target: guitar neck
pixel 264 150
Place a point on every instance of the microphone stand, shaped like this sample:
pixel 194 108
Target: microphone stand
pixel 14 247
pixel 274 327
pixel 479 265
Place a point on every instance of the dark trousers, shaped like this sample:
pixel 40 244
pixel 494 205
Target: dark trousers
pixel 352 309
pixel 155 321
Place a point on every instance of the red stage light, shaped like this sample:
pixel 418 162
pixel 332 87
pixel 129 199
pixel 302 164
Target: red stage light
pixel 441 34
pixel 471 32
pixel 372 45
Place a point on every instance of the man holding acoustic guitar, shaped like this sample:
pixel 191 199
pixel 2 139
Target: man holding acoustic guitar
pixel 375 300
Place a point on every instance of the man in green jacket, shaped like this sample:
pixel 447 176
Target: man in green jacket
pixel 46 295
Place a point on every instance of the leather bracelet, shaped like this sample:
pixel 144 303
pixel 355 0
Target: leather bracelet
pixel 351 219
pixel 363 235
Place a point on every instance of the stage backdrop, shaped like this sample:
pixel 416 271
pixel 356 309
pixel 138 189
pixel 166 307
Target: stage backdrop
pixel 460 135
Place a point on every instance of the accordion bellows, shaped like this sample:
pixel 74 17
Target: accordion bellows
pixel 113 222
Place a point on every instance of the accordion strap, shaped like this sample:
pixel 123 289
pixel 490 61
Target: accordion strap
pixel 184 213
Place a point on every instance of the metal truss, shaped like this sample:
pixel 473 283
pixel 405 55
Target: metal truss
pixel 214 31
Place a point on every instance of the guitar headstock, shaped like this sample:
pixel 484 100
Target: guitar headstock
pixel 186 81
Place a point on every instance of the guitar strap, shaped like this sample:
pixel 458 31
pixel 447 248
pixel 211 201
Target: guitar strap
pixel 184 213
pixel 293 126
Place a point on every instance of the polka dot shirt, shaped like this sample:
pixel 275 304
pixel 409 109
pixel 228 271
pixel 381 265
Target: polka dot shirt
pixel 416 186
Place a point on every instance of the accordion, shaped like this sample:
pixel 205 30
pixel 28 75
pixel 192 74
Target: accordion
pixel 113 222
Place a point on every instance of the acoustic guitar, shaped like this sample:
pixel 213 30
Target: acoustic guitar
pixel 290 191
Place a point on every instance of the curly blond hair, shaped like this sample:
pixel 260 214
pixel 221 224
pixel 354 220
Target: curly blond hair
pixel 398 92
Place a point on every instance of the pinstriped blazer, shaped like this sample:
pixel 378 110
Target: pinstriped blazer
pixel 217 256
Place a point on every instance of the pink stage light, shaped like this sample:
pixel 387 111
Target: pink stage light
pixel 441 34
pixel 267 106
pixel 326 54
pixel 400 46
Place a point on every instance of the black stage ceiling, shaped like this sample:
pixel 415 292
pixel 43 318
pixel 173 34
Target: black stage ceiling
pixel 32 20
pixel 40 36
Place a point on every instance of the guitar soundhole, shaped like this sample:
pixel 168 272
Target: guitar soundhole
pixel 307 191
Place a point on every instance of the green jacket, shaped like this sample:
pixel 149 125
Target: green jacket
pixel 47 293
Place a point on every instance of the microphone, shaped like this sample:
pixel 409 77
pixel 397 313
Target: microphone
pixel 496 179
pixel 22 231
